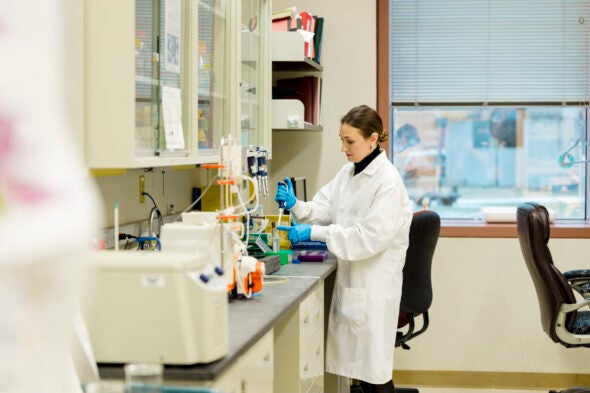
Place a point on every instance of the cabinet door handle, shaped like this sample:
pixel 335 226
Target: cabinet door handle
pixel 267 357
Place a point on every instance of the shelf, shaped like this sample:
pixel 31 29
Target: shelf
pixel 288 115
pixel 288 53
pixel 306 127
pixel 304 64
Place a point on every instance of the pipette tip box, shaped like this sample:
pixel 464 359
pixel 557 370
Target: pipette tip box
pixel 272 263
pixel 312 256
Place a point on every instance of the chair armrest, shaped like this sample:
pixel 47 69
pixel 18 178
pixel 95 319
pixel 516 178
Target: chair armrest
pixel 564 335
pixel 567 308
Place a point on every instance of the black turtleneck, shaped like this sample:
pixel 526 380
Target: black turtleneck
pixel 362 164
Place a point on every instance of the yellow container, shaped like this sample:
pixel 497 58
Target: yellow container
pixel 284 242
pixel 210 201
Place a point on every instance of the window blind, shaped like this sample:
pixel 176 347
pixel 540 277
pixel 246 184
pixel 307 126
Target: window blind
pixel 489 51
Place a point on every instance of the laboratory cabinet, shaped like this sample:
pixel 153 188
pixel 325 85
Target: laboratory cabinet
pixel 215 62
pixel 255 74
pixel 253 371
pixel 163 80
pixel 296 81
pixel 299 346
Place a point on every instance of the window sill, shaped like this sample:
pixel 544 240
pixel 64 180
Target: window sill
pixel 564 229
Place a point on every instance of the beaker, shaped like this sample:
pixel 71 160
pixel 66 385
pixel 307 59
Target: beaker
pixel 144 377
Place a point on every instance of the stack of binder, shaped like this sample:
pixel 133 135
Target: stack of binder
pixel 291 20
pixel 306 89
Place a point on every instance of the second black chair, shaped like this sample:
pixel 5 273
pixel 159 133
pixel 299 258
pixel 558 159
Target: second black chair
pixel 563 298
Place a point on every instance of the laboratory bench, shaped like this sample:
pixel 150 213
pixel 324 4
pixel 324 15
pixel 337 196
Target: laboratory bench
pixel 251 319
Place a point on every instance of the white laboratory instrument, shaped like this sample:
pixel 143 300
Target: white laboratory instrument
pixel 193 235
pixel 155 307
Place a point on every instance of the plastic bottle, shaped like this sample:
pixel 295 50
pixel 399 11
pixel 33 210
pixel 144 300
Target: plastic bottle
pixel 276 241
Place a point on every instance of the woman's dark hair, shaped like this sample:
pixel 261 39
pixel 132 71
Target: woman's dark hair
pixel 367 120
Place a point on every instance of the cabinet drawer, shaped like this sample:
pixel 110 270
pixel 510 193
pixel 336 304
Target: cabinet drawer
pixel 257 366
pixel 253 372
pixel 312 312
pixel 317 386
pixel 230 381
pixel 312 357
pixel 311 340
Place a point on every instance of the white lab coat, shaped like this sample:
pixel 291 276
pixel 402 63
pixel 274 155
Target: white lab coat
pixel 365 221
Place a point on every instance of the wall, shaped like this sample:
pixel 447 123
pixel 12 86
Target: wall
pixel 485 315
pixel 171 187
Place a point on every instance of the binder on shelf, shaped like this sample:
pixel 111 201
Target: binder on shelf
pixel 317 101
pixel 306 27
pixel 317 38
pixel 306 89
pixel 304 21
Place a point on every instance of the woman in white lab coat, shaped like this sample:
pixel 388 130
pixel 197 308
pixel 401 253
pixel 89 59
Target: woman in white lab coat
pixel 363 215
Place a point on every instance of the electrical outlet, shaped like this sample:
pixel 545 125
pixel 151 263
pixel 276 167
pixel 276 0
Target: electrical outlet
pixel 141 188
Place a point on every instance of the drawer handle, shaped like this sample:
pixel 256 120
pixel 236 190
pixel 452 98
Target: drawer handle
pixel 318 351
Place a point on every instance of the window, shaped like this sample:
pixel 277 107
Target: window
pixel 487 98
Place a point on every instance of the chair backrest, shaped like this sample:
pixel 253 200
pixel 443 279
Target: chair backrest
pixel 417 284
pixel 552 288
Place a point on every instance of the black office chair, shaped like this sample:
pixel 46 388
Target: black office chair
pixel 563 317
pixel 417 285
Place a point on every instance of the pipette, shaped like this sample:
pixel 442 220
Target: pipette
pixel 262 172
pixel 282 204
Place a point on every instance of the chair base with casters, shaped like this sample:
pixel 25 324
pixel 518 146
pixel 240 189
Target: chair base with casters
pixel 406 390
pixel 409 320
pixel 355 388
pixel 564 317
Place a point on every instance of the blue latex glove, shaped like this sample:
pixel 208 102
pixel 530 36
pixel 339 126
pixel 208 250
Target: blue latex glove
pixel 286 194
pixel 297 233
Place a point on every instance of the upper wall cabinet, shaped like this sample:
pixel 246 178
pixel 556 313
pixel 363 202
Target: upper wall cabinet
pixel 165 80
pixel 255 74
pixel 142 82
pixel 215 70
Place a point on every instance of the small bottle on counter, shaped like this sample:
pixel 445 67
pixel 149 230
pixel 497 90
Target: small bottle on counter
pixel 276 241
